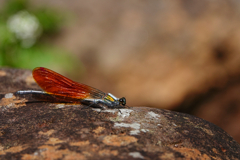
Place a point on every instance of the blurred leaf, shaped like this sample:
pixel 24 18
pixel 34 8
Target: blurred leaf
pixel 12 51
pixel 6 35
pixel 49 20
pixel 45 56
pixel 13 6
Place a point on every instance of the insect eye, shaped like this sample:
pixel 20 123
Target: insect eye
pixel 122 101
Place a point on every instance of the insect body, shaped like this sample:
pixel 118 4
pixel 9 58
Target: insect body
pixel 70 91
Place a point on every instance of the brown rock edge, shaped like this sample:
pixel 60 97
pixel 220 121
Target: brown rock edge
pixel 66 131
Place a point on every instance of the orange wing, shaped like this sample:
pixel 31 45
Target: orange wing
pixel 54 83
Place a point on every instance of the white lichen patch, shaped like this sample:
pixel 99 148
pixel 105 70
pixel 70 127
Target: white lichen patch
pixel 127 125
pixel 144 130
pixel 8 95
pixel 60 106
pixel 105 110
pixel 136 155
pixel 152 115
pixel 134 126
pixel 124 113
pixel 110 110
pixel 97 109
pixel 134 132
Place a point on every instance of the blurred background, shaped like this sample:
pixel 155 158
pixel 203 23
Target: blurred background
pixel 179 55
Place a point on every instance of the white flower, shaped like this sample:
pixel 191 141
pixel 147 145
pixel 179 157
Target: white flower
pixel 25 26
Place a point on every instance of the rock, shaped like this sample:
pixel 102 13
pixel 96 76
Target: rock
pixel 46 130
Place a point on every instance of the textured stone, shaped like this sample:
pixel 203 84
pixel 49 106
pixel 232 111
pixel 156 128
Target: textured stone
pixel 44 130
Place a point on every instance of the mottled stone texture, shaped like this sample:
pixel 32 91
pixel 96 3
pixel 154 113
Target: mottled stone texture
pixel 66 131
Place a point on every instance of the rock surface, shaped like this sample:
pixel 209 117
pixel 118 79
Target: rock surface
pixel 66 131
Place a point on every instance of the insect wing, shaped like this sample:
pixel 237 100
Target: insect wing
pixel 54 83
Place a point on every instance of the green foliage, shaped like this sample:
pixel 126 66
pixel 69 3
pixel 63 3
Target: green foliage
pixel 21 28
pixel 49 20
pixel 13 6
